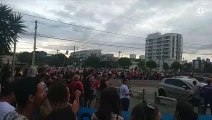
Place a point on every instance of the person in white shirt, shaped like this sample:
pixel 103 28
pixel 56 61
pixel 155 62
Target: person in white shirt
pixel 7 98
pixel 125 94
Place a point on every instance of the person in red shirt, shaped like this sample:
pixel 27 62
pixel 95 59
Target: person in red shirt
pixel 75 85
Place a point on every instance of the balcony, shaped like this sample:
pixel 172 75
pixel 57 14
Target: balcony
pixel 167 37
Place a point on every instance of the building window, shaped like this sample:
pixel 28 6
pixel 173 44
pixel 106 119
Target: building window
pixel 167 37
pixel 173 43
pixel 172 55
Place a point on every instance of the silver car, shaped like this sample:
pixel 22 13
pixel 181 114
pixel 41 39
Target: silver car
pixel 179 88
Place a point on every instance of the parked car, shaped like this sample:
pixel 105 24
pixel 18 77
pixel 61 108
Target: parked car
pixel 187 77
pixel 202 79
pixel 179 88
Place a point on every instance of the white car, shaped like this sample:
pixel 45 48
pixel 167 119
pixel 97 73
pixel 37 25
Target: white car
pixel 179 88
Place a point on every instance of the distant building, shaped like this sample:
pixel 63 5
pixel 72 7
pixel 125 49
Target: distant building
pixel 197 64
pixel 164 48
pixel 198 58
pixel 142 57
pixel 132 56
pixel 81 56
pixel 107 57
pixel 184 61
pixel 116 58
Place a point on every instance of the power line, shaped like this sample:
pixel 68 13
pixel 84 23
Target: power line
pixel 110 45
pixel 124 35
pixel 87 42
pixel 114 33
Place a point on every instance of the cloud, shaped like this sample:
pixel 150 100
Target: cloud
pixel 134 17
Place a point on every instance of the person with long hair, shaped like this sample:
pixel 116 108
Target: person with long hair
pixel 185 111
pixel 58 98
pixel 145 111
pixel 109 107
pixel 104 83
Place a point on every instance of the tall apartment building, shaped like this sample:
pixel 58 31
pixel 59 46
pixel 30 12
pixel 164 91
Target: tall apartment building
pixel 164 48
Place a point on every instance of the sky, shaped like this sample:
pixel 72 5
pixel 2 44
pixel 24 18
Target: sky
pixel 130 20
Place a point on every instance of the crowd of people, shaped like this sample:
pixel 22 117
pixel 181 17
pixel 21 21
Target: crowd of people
pixel 58 93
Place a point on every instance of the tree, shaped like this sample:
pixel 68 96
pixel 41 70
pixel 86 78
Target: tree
pixel 124 62
pixel 208 68
pixel 187 67
pixel 92 61
pixel 70 61
pixel 25 57
pixel 10 25
pixel 165 66
pixel 151 64
pixel 57 60
pixel 1 62
pixel 176 66
pixel 141 64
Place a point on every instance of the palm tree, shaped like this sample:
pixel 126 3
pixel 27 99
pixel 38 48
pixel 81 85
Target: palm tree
pixel 10 25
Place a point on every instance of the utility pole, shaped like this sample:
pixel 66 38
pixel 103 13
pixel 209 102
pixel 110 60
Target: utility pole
pixel 119 53
pixel 35 35
pixel 74 50
pixel 74 56
pixel 57 50
pixel 13 67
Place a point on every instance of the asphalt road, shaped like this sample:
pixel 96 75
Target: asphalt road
pixel 150 87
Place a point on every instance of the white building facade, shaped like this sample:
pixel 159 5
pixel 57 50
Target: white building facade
pixel 107 57
pixel 132 56
pixel 84 54
pixel 166 48
pixel 142 57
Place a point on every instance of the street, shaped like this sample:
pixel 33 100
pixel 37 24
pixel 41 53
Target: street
pixel 150 87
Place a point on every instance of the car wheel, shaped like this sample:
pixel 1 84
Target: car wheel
pixel 161 92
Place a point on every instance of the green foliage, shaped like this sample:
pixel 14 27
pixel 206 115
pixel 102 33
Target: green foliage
pixel 187 67
pixel 92 61
pixel 124 62
pixel 70 60
pixel 165 66
pixel 1 62
pixel 25 57
pixel 151 64
pixel 176 66
pixel 10 25
pixel 57 60
pixel 42 59
pixel 141 64
pixel 208 68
